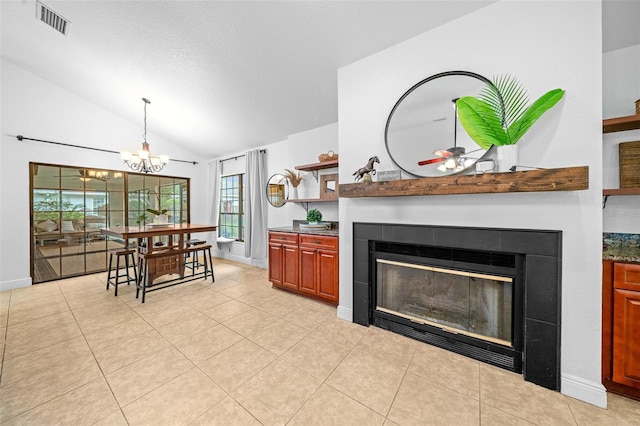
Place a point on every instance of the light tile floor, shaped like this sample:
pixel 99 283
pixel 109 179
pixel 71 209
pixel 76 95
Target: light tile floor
pixel 237 352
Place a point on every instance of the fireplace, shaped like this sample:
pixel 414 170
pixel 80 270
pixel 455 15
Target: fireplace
pixel 490 294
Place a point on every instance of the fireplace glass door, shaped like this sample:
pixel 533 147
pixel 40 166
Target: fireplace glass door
pixel 474 304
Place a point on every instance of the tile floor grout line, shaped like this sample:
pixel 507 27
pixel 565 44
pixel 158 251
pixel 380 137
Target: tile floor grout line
pixel 69 361
pixel 395 395
pixel 4 343
pixel 104 377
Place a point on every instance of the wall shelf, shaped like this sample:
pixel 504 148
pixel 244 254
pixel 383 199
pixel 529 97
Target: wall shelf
pixel 318 166
pixel 312 200
pixel 562 179
pixel 314 167
pixel 305 201
pixel 621 191
pixel 620 124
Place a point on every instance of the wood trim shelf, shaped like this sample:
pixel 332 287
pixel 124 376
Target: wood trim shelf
pixel 562 179
pixel 318 166
pixel 620 124
pixel 313 200
pixel 621 191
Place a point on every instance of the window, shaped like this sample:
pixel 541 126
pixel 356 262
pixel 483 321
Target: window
pixel 69 206
pixel 231 222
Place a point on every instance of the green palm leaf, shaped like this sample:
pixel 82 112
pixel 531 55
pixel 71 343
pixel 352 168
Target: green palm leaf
pixel 507 98
pixel 480 121
pixel 535 111
pixel 500 114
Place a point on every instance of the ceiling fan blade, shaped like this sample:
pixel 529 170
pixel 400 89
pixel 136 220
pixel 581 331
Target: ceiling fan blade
pixel 442 153
pixel 431 161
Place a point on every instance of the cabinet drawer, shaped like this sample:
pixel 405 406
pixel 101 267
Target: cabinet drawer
pixel 283 238
pixel 626 276
pixel 319 241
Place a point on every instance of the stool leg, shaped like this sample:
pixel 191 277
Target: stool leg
pixel 109 273
pixel 117 275
pixel 133 265
pixel 144 286
pixel 206 265
pixel 141 271
pixel 126 266
pixel 213 280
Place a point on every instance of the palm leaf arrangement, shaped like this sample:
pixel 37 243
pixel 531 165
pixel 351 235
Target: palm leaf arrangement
pixel 500 114
pixel 293 177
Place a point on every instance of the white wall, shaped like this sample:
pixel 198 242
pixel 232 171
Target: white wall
pixel 298 149
pixel 620 90
pixel 304 148
pixel 545 45
pixel 34 108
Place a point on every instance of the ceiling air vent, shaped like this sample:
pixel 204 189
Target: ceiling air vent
pixel 51 18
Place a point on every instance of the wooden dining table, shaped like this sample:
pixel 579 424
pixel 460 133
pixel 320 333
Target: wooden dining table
pixel 158 257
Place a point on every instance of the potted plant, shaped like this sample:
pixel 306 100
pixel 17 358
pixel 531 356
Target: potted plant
pixel 161 214
pixel 314 216
pixel 500 116
pixel 142 218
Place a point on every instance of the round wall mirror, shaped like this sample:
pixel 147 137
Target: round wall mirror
pixel 423 135
pixel 277 190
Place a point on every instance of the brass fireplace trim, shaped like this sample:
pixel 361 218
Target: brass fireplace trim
pixel 446 271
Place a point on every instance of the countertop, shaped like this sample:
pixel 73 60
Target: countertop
pixel 295 230
pixel 621 247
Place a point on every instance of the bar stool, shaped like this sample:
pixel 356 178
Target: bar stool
pixel 128 254
pixel 195 259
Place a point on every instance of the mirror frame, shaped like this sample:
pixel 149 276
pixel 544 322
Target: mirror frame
pixel 286 190
pixel 407 93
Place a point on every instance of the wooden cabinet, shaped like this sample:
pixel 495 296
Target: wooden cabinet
pixel 319 267
pixel 310 267
pixel 283 259
pixel 621 328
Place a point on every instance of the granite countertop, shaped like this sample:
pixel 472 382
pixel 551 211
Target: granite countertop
pixel 295 230
pixel 621 247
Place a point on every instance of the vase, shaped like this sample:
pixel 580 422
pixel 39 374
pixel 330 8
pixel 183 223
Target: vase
pixel 507 158
pixel 161 218
pixel 294 193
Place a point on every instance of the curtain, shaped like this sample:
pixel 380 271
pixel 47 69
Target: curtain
pixel 255 229
pixel 213 192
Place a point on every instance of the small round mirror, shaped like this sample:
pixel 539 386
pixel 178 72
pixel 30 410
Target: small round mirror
pixel 277 190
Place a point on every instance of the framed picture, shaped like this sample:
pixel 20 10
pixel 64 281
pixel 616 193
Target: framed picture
pixel 329 186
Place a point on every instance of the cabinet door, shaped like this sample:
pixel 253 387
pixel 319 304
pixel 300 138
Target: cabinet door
pixel 626 276
pixel 275 264
pixel 308 267
pixel 290 267
pixel 626 337
pixel 328 275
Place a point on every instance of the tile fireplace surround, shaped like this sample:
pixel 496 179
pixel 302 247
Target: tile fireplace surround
pixel 542 251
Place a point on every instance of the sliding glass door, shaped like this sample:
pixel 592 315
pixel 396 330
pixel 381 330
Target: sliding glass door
pixel 69 206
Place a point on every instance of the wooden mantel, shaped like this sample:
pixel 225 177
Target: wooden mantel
pixel 564 179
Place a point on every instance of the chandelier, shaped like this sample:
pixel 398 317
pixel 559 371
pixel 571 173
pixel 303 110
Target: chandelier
pixel 143 161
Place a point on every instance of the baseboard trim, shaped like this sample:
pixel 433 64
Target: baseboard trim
pixel 10 285
pixel 345 313
pixel 590 392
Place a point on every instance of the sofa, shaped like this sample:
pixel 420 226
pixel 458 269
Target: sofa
pixel 67 231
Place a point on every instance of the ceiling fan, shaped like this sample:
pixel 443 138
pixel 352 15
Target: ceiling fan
pixel 454 158
pixel 86 175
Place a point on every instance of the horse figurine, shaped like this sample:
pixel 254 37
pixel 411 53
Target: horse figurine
pixel 368 169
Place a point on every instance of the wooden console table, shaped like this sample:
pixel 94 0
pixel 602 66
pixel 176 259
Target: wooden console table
pixel 162 259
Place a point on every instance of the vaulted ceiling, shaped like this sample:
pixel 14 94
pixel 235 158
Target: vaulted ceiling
pixel 224 76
